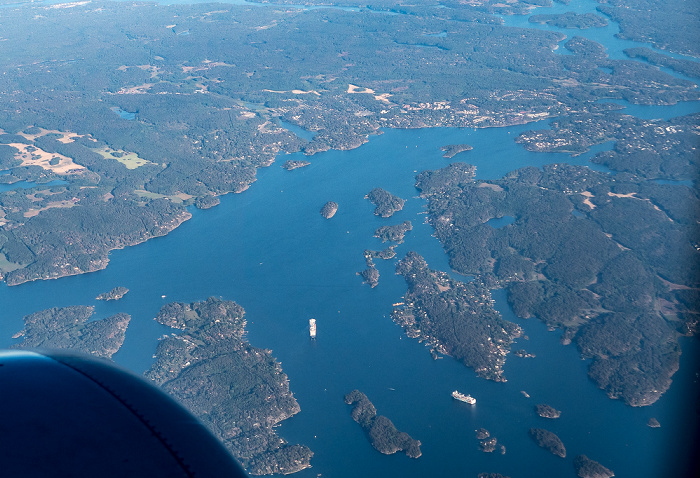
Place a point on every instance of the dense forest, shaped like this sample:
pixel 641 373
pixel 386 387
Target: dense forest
pixel 454 318
pixel 609 259
pixel 237 390
pixel 70 328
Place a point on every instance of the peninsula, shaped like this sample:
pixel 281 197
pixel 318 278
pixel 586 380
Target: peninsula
pixel 454 318
pixel 394 233
pixel 608 259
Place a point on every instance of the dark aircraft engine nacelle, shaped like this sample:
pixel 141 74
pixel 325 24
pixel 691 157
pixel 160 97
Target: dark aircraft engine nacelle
pixel 64 414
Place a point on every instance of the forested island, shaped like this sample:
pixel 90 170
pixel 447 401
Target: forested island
pixel 609 259
pixel 547 411
pixel 237 390
pixel 385 254
pixel 587 468
pixel 329 209
pixel 549 441
pixel 381 432
pixel 454 318
pixel 292 164
pixel 394 233
pixel 114 294
pixel 370 275
pixel 487 443
pixel 452 150
pixel 68 328
pixel 386 203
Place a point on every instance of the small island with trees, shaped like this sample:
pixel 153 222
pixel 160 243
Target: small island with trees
pixel 371 274
pixel 114 294
pixel 329 209
pixel 487 443
pixel 452 150
pixel 394 233
pixel 549 441
pixel 546 411
pixel 68 328
pixel 381 432
pixel 292 164
pixel 386 203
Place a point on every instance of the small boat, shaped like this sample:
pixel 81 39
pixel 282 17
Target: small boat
pixel 463 398
pixel 312 328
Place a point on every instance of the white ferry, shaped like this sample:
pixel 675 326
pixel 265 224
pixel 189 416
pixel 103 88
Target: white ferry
pixel 463 398
pixel 312 328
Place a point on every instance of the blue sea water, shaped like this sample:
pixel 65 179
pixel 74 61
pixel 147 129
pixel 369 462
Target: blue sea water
pixel 270 250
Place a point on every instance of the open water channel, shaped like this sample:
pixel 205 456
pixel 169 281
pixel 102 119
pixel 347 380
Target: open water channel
pixel 270 250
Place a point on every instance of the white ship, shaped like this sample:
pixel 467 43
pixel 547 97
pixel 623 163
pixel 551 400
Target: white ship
pixel 312 328
pixel 463 398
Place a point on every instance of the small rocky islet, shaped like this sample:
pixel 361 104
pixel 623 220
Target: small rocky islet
pixel 329 209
